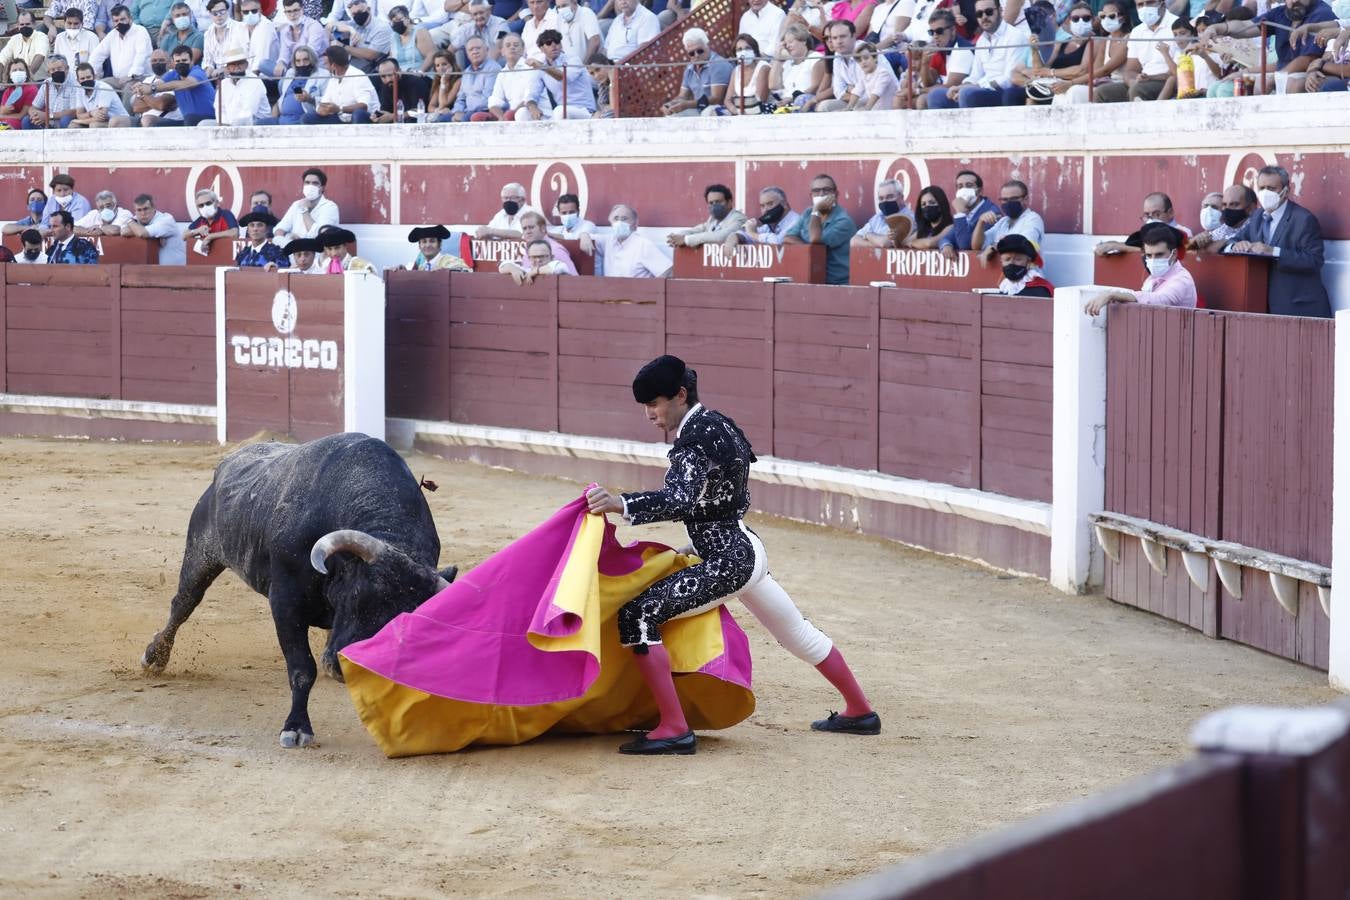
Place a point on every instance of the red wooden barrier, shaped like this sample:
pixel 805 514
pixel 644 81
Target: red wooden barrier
pixel 489 254
pixel 920 269
pixel 417 345
pixel 222 253
pixel 1231 283
pixel 803 264
pixel 169 334
pixel 1218 424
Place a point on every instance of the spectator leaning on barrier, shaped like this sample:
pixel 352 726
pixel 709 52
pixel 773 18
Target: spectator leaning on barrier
pixel 879 87
pixel 1017 219
pixel 934 219
pixel 1157 208
pixel 1237 205
pixel 29 45
pixel 534 227
pixel 431 256
pixel 1146 71
pixel 515 95
pixel 722 223
pixel 193 94
pixel 212 223
pixel 625 253
pixel 478 83
pixel 181 31
pixel 312 211
pixel 32 253
pixel 348 95
pixel 580 31
pixel 826 224
pixel 63 197
pixel 1021 260
pixel 538 260
pixel 66 248
pixel 574 83
pixel 776 218
pixel 298 30
pixel 1211 211
pixel 105 218
pixel 37 202
pixel 1168 283
pixel 151 224
pixel 633 26
pixel 569 216
pixel 891 224
pixel 506 223
pixel 100 107
pixel 763 21
pixel 75 43
pixel 999 49
pixel 258 250
pixel 1292 235
pixel 705 78
pixel 602 72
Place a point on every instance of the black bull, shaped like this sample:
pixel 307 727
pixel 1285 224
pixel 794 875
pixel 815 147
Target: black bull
pixel 335 533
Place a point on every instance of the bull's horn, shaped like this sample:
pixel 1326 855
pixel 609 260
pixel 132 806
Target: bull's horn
pixel 349 540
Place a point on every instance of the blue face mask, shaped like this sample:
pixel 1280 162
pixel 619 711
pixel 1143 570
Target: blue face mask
pixel 569 220
pixel 37 206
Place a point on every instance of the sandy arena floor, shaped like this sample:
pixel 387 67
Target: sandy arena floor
pixel 1000 698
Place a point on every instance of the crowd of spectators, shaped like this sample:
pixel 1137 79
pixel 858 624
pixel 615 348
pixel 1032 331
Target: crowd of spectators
pixel 101 63
pixel 1237 220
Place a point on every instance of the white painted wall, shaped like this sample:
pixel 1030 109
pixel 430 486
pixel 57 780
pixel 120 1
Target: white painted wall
pixel 363 367
pixel 1339 667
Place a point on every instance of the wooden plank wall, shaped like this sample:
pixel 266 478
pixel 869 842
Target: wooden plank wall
pixel 109 332
pixel 892 380
pixel 316 407
pixel 1201 410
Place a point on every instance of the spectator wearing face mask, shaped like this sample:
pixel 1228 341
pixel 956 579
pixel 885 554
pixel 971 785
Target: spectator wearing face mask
pixel 32 253
pixel 826 224
pixel 569 217
pixel 722 222
pixel 311 212
pixel 74 43
pixel 63 197
pixel 1020 259
pixel 506 223
pixel 58 103
pixel 1236 205
pixel 212 223
pixel 1146 71
pixel 1293 236
pixel 180 30
pixel 999 49
pixel 1016 219
pixel 100 107
pixel 150 104
pixel 29 45
pixel 1290 58
pixel 891 224
pixel 152 225
pixel 127 48
pixel 968 208
pixel 37 202
pixel 194 97
pixel 1168 283
pixel 934 219
pixel 775 220
pixel 17 100
pixel 105 218
pixel 625 253
pixel 1157 208
pixel 580 31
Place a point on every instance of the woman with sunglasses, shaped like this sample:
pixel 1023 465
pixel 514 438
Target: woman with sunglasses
pixel 1055 72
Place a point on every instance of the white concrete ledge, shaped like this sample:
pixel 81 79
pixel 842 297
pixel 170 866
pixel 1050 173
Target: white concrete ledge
pixel 981 506
pixel 86 408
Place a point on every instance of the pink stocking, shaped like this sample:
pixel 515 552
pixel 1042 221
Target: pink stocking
pixel 655 668
pixel 837 672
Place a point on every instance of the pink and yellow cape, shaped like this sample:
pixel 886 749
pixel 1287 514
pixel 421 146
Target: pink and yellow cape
pixel 527 643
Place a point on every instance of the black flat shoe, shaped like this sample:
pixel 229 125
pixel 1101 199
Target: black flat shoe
pixel 680 745
pixel 868 724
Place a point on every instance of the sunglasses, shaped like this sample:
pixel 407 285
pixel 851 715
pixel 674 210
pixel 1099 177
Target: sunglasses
pixel 697 51
pixel 936 32
pixel 549 43
pixel 986 13
pixel 207 203
pixel 1080 18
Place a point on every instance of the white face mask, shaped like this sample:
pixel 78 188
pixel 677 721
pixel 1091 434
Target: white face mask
pixel 311 191
pixel 182 23
pixel 1269 199
pixel 1110 24
pixel 821 202
pixel 18 76
pixel 1158 266
pixel 745 56
pixel 966 194
pixel 74 29
pixel 64 201
pixel 1149 15
pixel 622 230
pixel 1080 28
pixel 107 215
pixel 1210 218
pixel 207 211
pixel 567 14
pixel 252 18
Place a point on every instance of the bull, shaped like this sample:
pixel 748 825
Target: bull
pixel 335 533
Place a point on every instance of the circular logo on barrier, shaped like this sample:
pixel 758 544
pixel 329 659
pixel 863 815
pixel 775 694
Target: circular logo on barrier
pixel 209 176
pixel 911 172
pixel 550 181
pixel 1242 167
pixel 284 312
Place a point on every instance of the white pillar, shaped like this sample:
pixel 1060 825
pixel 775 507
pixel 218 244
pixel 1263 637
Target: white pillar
pixel 1339 667
pixel 221 342
pixel 1078 435
pixel 363 340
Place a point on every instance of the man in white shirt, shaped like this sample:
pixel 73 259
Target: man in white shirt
pixel 840 38
pixel 348 96
pixel 310 213
pixel 633 26
pixel 263 40
pixel 76 43
pixel 999 49
pixel 27 44
pixel 243 98
pixel 580 31
pixel 224 35
pixel 1145 71
pixel 105 218
pixel 541 19
pixel 573 225
pixel 151 224
pixel 515 94
pixel 32 253
pixel 763 21
pixel 626 253
pixel 127 46
pixel 506 223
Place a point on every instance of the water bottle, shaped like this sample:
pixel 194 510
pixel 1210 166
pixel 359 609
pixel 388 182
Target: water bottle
pixel 421 110
pixel 398 112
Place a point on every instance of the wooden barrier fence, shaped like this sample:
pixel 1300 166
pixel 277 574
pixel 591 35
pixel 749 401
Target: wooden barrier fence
pixel 943 387
pixel 116 332
pixel 1219 424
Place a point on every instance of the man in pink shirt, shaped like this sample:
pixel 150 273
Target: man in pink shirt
pixel 534 227
pixel 1168 283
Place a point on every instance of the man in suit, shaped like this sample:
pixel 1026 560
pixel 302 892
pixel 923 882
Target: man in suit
pixel 66 247
pixel 1292 235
